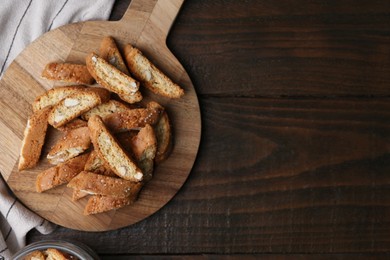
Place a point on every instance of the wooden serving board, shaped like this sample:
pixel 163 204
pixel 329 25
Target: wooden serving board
pixel 145 24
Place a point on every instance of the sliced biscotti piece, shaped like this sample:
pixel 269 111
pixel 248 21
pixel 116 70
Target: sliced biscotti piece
pixel 109 51
pixel 54 95
pixel 56 254
pixel 113 79
pixel 151 77
pixel 35 255
pixel 60 174
pixel 72 144
pixel 163 131
pixel 77 104
pixel 144 146
pixel 111 152
pixel 94 183
pixel 112 106
pixel 33 139
pixel 134 119
pixel 67 72
pixel 98 203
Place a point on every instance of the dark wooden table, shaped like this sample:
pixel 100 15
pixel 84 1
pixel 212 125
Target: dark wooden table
pixel 294 156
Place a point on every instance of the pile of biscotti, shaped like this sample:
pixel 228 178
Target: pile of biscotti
pixel 110 144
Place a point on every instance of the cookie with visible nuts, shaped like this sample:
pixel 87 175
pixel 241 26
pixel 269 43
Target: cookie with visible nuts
pixel 77 104
pixel 111 152
pixel 109 51
pixel 113 79
pixel 98 203
pixel 72 144
pixel 54 95
pixel 151 77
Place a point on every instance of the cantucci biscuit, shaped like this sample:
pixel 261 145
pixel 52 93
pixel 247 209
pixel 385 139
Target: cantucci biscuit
pixel 70 145
pixel 77 104
pixel 54 95
pixel 112 106
pixel 113 79
pixel 151 77
pixel 98 184
pixel 110 52
pixel 163 133
pixel 134 119
pixel 33 139
pixel 67 72
pixel 111 152
pixel 60 174
pixel 55 254
pixel 98 203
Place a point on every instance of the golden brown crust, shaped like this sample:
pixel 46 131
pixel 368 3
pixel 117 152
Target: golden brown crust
pixel 111 152
pixel 163 133
pixel 60 174
pixel 113 79
pixel 34 138
pixel 133 119
pixel 72 144
pixel 94 183
pixel 110 52
pixel 151 77
pixel 74 124
pixel 67 72
pixel 77 104
pixel 98 204
pixel 54 95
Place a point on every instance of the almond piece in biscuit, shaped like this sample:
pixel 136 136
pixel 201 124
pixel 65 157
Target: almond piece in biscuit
pixel 70 145
pixel 77 104
pixel 111 152
pixel 113 79
pixel 67 72
pixel 110 52
pixel 97 184
pixel 54 95
pixel 151 77
pixel 112 106
pixel 163 133
pixel 134 119
pixel 34 138
pixel 60 174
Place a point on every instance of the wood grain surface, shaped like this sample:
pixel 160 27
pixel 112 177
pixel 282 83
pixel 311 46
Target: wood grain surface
pixel 145 24
pixel 295 154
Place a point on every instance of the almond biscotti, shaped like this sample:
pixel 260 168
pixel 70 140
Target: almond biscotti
pixel 112 106
pixel 60 174
pixel 98 203
pixel 68 73
pixel 94 183
pixel 149 75
pixel 72 144
pixel 54 95
pixel 163 133
pixel 34 138
pixel 134 119
pixel 113 79
pixel 109 51
pixel 77 104
pixel 111 152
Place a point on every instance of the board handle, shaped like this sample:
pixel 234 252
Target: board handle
pixel 157 16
